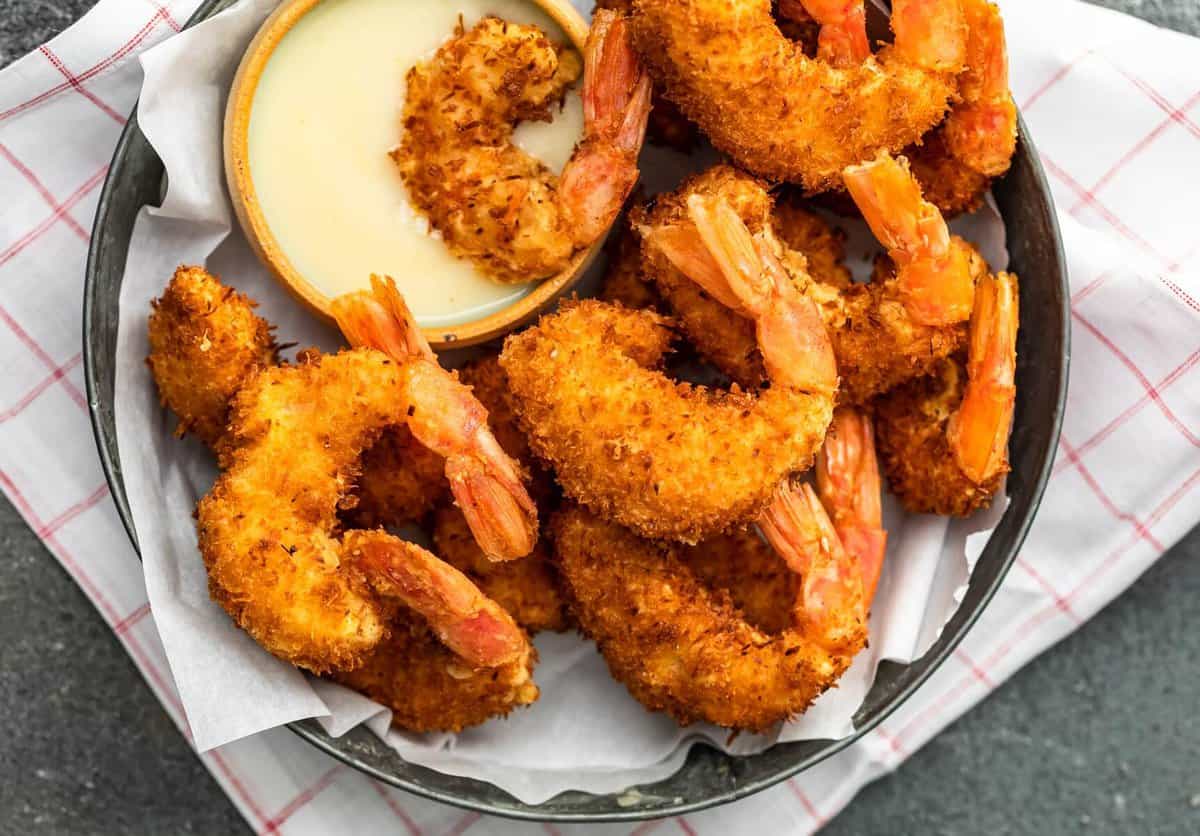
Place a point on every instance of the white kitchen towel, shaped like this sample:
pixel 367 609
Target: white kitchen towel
pixel 1114 107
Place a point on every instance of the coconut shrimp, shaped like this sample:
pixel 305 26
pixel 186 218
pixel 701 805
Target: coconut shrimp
pixel 491 202
pixel 958 160
pixel 877 341
pixel 943 438
pixel 445 417
pixel 206 341
pixel 669 459
pixel 783 115
pixel 847 472
pixel 680 647
pixel 268 529
pixel 429 688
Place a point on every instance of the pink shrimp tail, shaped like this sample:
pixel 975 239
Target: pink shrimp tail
pixel 498 509
pixel 791 333
pixel 842 40
pixel 444 416
pixel 379 318
pixel 849 486
pixel 933 274
pixel 978 431
pixel 472 625
pixel 982 131
pixel 831 597
pixel 616 107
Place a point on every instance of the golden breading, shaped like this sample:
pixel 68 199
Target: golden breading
pixel 678 646
pixel 428 688
pixel 267 527
pixel 526 587
pixel 205 341
pixel 949 185
pixel 624 281
pixel 669 459
pixel 782 115
pixel 402 480
pixel 910 427
pixel 743 565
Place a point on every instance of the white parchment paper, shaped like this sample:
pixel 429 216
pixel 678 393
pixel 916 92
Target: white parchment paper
pixel 585 732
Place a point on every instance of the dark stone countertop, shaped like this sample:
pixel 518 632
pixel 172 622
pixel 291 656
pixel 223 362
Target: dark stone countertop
pixel 1099 735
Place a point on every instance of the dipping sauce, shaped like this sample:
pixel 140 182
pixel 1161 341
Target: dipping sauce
pixel 326 111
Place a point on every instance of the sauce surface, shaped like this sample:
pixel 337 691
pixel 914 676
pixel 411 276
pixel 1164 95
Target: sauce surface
pixel 326 112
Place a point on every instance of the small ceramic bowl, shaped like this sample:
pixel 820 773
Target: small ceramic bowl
pixel 250 213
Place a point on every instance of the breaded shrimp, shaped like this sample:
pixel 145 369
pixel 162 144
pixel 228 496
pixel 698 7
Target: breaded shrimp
pixel 669 459
pixel 493 203
pixel 957 161
pixel 429 688
pixel 943 438
pixel 744 566
pixel 682 648
pixel 784 115
pixel 527 588
pixel 877 340
pixel 206 342
pixel 446 417
pixel 268 528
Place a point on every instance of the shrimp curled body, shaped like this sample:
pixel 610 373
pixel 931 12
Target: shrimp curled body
pixel 493 203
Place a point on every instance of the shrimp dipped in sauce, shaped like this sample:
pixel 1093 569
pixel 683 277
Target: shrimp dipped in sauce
pixel 943 438
pixel 491 202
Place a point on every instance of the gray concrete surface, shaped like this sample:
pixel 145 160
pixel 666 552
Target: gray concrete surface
pixel 1099 735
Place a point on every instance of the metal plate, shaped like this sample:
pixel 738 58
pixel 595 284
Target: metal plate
pixel 708 777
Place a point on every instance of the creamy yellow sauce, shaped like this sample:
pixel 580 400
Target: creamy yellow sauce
pixel 325 114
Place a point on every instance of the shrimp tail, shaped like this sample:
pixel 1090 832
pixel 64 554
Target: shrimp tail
pixel 447 418
pixel 842 40
pixel 616 106
pixel 933 269
pixel 498 509
pixel 791 333
pixel 982 131
pixel 380 318
pixel 978 431
pixel 799 529
pixel 848 484
pixel 472 625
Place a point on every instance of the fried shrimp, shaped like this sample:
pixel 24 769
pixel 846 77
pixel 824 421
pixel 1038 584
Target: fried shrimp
pixel 669 459
pixel 744 566
pixel 943 438
pixel 493 203
pixel 206 342
pixel 429 688
pixel 268 528
pixel 957 161
pixel 877 341
pixel 786 116
pixel 683 648
pixel 447 418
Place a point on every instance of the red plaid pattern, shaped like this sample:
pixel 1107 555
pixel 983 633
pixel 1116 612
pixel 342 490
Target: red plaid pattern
pixel 1116 113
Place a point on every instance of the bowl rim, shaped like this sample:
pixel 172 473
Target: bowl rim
pixel 312 734
pixel 235 144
